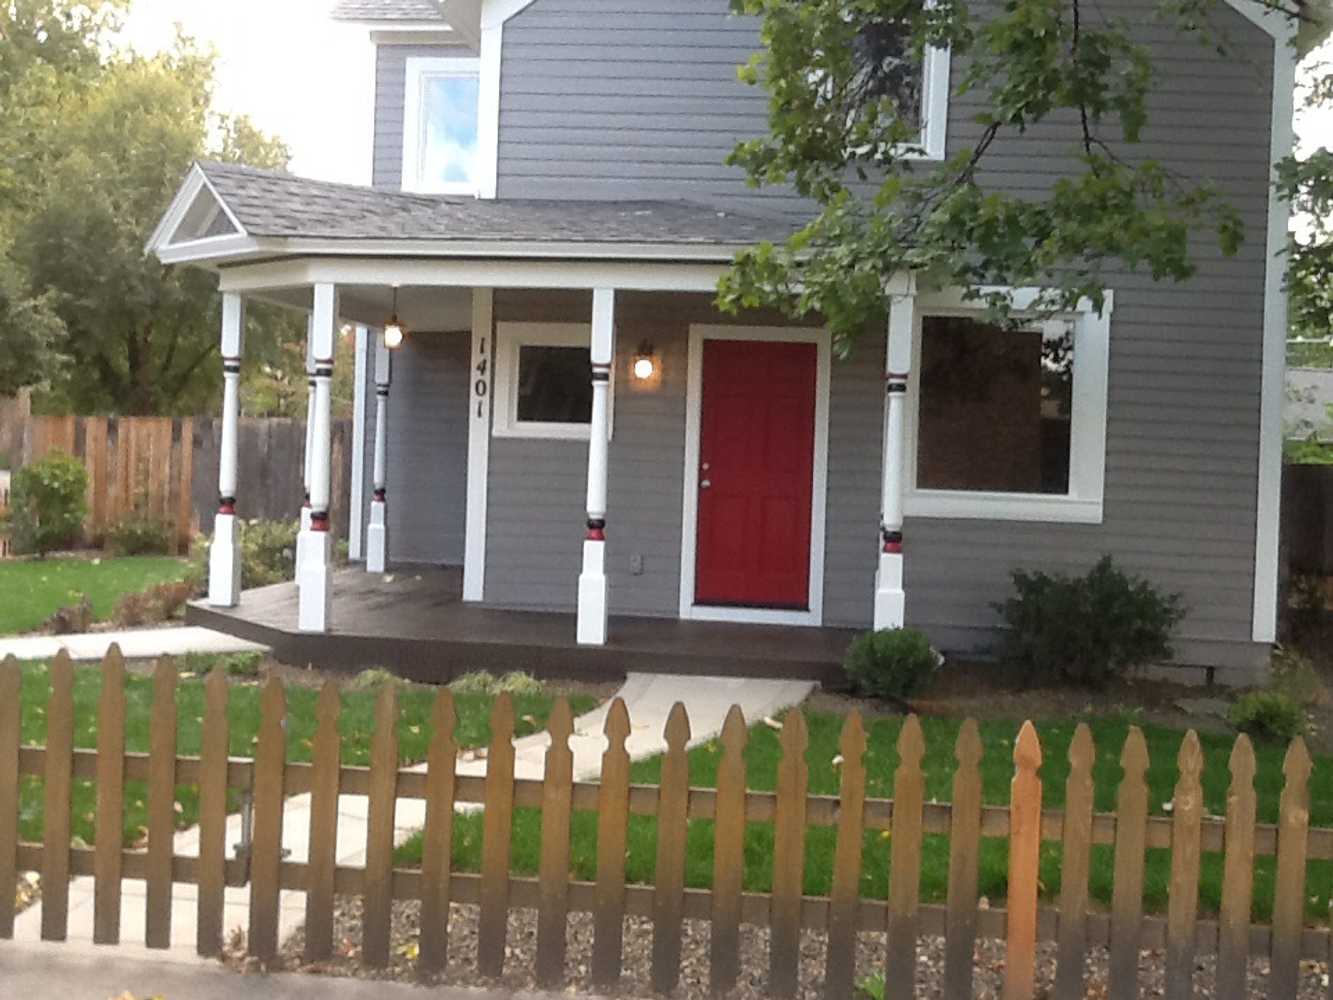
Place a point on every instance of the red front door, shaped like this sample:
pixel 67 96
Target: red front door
pixel 756 460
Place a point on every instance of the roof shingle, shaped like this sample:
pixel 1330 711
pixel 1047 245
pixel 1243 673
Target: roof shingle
pixel 387 10
pixel 276 204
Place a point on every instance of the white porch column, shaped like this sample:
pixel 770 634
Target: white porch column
pixel 224 554
pixel 592 581
pixel 890 598
pixel 309 429
pixel 377 534
pixel 315 544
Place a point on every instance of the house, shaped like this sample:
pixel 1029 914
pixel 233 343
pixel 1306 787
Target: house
pixel 569 419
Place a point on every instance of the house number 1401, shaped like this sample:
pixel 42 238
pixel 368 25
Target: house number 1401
pixel 480 387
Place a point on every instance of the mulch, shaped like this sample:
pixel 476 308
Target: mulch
pixel 636 982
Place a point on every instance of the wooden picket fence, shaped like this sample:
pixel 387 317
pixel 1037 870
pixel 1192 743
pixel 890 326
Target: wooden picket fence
pixel 791 810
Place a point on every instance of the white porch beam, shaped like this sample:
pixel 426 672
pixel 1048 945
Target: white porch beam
pixel 377 534
pixel 224 554
pixel 890 597
pixel 592 610
pixel 315 546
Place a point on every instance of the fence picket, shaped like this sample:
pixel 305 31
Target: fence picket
pixel 438 836
pixel 161 805
pixel 1289 891
pixel 266 840
pixel 1076 849
pixel 377 901
pixel 59 779
pixel 905 864
pixel 612 832
pixel 845 894
pixel 11 685
pixel 728 855
pixel 964 850
pixel 784 940
pixel 1024 867
pixel 1183 904
pixel 326 761
pixel 1131 832
pixel 673 797
pixel 214 752
pixel 1233 921
pixel 110 822
pixel 493 923
pixel 557 788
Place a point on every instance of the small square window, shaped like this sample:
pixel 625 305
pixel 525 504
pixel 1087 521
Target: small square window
pixel 543 380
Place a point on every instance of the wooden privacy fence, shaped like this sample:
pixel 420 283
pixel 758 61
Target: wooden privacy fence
pixel 168 468
pixel 791 811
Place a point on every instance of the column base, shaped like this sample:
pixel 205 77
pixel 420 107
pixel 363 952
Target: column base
pixel 224 562
pixel 314 581
pixel 890 599
pixel 302 529
pixel 592 620
pixel 377 538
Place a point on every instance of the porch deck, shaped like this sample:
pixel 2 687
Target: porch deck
pixel 414 621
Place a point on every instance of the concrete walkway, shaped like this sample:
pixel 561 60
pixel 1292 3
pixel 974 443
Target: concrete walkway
pixel 648 697
pixel 59 972
pixel 135 644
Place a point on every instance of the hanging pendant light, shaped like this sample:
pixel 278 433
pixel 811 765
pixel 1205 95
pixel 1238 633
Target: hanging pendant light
pixel 394 331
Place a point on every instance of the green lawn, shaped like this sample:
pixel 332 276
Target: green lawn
pixel 356 728
pixel 31 590
pixel 997 770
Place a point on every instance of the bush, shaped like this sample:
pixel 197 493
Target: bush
pixel 1268 715
pixel 246 665
pixel 47 504
pixel 516 683
pixel 891 663
pixel 1087 629
pixel 160 603
pixel 374 678
pixel 268 554
pixel 139 534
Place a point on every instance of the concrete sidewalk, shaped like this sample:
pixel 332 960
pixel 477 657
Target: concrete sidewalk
pixel 648 698
pixel 70 972
pixel 135 644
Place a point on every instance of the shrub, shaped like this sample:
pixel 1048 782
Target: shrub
pixel 1295 675
pixel 516 683
pixel 139 534
pixel 374 678
pixel 1268 715
pixel 1087 629
pixel 233 664
pixel 159 603
pixel 891 663
pixel 47 504
pixel 477 682
pixel 268 552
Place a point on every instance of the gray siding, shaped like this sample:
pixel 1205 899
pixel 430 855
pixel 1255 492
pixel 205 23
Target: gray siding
pixel 427 446
pixel 390 89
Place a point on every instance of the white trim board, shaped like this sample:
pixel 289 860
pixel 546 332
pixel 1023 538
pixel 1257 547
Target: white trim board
pixel 1273 373
pixel 418 71
pixel 510 338
pixel 818 494
pixel 478 444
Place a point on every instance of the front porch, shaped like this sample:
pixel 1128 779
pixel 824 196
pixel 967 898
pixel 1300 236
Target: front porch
pixel 415 619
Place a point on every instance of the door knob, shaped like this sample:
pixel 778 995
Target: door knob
pixel 704 484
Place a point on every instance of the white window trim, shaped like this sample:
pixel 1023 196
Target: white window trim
pixel 509 338
pixel 689 538
pixel 934 107
pixel 420 69
pixel 1084 504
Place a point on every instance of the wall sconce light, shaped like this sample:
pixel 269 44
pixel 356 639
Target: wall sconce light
pixel 394 331
pixel 645 364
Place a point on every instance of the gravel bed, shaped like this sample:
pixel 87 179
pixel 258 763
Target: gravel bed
pixel 522 945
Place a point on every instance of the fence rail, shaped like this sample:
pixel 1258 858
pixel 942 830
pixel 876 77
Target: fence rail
pixel 1027 919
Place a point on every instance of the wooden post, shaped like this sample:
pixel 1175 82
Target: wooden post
pixel 890 597
pixel 1183 903
pixel 11 681
pixel 673 799
pixel 964 848
pixel 110 829
pixel 438 837
pixel 1131 837
pixel 728 855
pixel 553 875
pixel 224 554
pixel 612 832
pixel 377 533
pixel 1024 867
pixel 1077 850
pixel 315 547
pixel 845 898
pixel 1293 832
pixel 1233 918
pixel 497 833
pixel 161 805
pixel 326 761
pixel 592 614
pixel 784 936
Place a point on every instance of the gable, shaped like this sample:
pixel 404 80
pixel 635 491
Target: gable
pixel 197 215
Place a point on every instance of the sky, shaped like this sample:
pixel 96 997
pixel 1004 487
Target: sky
pixel 309 80
pixel 286 64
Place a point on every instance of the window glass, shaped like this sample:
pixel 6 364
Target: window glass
pixel 554 384
pixel 885 68
pixel 449 131
pixel 996 407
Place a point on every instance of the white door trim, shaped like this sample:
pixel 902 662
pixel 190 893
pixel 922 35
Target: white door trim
pixel 818 496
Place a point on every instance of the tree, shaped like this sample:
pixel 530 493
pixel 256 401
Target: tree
pixel 140 334
pixel 843 115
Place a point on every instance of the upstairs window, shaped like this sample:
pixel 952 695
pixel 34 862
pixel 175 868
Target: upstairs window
pixel 440 134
